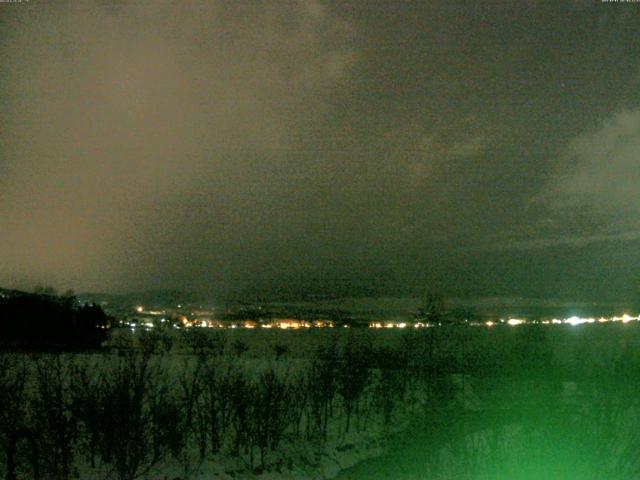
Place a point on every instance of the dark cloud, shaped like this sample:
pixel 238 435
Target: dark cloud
pixel 230 145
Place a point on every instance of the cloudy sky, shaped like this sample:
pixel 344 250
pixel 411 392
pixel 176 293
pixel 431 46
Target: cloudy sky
pixel 477 148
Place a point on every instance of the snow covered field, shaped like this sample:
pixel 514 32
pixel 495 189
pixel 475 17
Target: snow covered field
pixel 319 404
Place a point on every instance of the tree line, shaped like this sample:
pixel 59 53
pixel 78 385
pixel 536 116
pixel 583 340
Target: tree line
pixel 45 321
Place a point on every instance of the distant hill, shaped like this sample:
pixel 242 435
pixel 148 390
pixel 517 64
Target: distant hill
pixel 4 293
pixel 156 298
pixel 350 307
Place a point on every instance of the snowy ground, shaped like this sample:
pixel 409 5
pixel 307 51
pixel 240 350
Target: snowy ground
pixel 559 390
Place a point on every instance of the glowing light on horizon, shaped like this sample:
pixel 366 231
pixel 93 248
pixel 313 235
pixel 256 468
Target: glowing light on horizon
pixel 515 321
pixel 573 321
pixel 626 318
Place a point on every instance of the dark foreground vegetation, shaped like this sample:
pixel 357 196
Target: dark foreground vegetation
pixel 120 414
pixel 189 401
pixel 45 321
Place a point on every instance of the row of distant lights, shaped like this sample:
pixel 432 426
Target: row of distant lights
pixel 569 321
pixel 247 324
pixel 513 322
pixel 281 324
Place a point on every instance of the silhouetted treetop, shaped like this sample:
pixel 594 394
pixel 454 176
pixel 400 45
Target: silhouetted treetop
pixel 45 321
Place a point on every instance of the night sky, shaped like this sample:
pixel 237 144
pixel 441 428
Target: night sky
pixel 350 147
